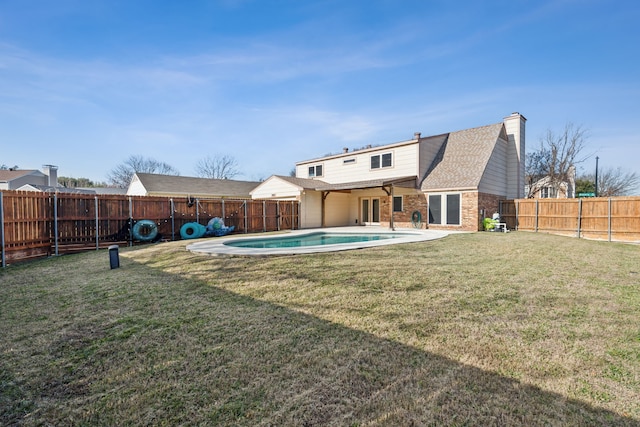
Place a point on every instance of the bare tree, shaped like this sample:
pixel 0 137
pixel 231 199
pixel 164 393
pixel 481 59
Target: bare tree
pixel 121 175
pixel 615 182
pixel 222 167
pixel 557 157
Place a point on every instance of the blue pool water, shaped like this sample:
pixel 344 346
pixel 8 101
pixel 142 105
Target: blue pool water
pixel 313 239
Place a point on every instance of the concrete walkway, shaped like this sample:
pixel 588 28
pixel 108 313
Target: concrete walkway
pixel 216 245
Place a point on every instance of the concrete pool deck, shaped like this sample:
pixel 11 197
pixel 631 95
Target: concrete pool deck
pixel 216 245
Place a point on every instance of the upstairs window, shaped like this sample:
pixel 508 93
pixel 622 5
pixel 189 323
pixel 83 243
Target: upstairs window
pixel 381 161
pixel 315 171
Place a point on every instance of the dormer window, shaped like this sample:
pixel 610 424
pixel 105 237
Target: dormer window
pixel 315 171
pixel 381 161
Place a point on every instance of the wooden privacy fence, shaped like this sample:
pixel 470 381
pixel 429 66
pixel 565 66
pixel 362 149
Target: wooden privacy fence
pixel 36 224
pixel 612 219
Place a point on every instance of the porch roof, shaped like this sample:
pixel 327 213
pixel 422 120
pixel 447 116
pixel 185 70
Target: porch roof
pixel 406 181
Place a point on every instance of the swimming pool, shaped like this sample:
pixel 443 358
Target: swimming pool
pixel 311 241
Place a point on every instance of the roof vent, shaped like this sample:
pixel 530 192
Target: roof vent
pixel 416 135
pixel 345 150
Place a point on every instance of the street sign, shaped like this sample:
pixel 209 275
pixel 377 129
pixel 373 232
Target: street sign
pixel 586 194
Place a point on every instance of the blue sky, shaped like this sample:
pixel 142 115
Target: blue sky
pixel 85 84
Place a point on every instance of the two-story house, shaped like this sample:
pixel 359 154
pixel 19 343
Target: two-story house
pixel 451 181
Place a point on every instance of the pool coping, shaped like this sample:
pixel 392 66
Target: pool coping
pixel 216 246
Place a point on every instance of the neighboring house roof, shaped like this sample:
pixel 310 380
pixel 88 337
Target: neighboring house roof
pixel 51 189
pixel 463 158
pixel 7 175
pixel 184 185
pixel 106 190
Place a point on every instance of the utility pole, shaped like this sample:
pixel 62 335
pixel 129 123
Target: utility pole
pixel 596 191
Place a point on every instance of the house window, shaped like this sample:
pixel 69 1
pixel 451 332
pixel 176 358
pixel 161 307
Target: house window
pixel 315 171
pixel 444 209
pixel 435 202
pixel 381 161
pixel 548 193
pixel 397 203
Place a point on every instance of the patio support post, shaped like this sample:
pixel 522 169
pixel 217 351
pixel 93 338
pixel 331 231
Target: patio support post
pixel 97 225
pixel 324 197
pixel 391 223
pixel 4 261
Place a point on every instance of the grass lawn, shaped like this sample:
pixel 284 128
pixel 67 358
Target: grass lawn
pixel 474 329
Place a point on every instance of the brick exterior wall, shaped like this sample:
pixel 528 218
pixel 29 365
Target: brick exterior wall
pixel 410 204
pixel 475 207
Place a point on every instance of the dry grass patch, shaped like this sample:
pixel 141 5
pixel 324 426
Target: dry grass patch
pixel 475 329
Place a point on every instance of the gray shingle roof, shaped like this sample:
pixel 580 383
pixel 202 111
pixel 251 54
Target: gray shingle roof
pixel 319 185
pixel 463 158
pixel 309 184
pixel 171 184
pixel 8 175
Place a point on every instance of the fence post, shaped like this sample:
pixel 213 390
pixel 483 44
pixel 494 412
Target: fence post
pixel 579 216
pixel 293 217
pixel 536 227
pixel 245 217
pixel 224 217
pixel 97 227
pixel 609 215
pixel 517 205
pixel 173 221
pixel 4 261
pixel 264 216
pixel 278 215
pixel 55 222
pixel 130 221
pixel 198 210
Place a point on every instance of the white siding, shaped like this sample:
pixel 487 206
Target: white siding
pixel 515 127
pixel 276 188
pixel 136 188
pixel 311 209
pixel 337 210
pixel 335 170
pixel 494 178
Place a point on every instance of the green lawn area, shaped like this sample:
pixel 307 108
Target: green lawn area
pixel 474 329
